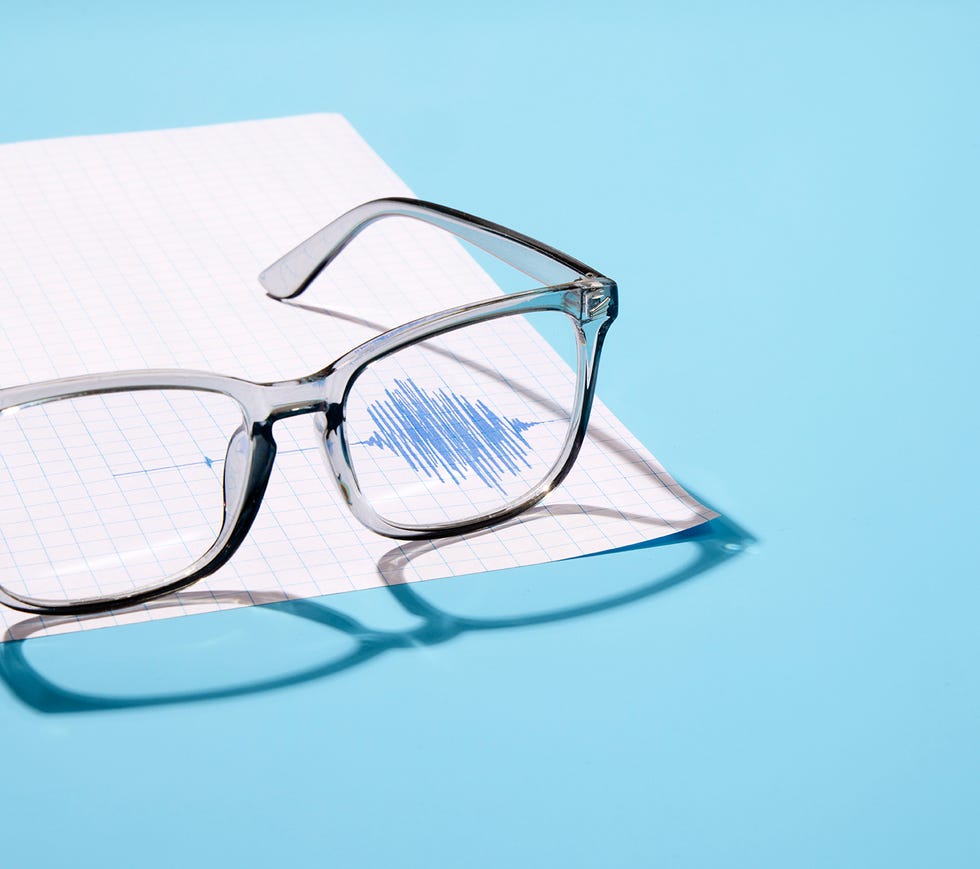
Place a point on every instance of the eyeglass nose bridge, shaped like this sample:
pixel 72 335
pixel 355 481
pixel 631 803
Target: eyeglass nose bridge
pixel 319 396
pixel 295 397
pixel 252 449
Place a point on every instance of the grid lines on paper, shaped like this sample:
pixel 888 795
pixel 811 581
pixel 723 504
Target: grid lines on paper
pixel 140 251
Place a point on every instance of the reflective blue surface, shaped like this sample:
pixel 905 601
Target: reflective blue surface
pixel 788 199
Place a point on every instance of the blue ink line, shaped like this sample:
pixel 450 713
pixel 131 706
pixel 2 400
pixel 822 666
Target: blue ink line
pixel 205 461
pixel 445 435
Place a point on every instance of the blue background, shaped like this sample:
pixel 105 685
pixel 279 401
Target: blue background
pixel 788 197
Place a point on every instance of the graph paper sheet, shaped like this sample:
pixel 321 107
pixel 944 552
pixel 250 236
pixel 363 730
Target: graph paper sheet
pixel 141 250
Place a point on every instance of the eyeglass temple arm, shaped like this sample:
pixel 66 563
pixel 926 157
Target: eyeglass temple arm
pixel 291 274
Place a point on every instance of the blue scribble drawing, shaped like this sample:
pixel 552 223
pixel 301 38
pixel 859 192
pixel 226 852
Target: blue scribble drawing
pixel 442 434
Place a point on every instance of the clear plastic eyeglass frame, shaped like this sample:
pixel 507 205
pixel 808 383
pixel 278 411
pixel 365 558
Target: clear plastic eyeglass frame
pixel 588 298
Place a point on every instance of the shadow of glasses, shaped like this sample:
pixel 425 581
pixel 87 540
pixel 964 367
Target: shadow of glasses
pixel 713 544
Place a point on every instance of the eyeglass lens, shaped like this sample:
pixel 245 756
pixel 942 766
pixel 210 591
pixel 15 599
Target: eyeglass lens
pixel 112 493
pixel 460 426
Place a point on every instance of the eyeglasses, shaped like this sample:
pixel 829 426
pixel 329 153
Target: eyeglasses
pixel 135 484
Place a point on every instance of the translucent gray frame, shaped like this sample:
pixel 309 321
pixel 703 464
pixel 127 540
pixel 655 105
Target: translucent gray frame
pixel 581 292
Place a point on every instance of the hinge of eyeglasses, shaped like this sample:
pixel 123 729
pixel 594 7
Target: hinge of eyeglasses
pixel 595 298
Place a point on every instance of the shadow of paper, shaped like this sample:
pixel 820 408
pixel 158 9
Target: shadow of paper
pixel 714 543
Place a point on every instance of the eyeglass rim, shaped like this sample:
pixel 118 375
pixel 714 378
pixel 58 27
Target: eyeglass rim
pixel 263 404
pixel 591 300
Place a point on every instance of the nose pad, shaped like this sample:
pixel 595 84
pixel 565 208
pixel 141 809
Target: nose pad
pixel 236 472
pixel 320 426
pixel 323 424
